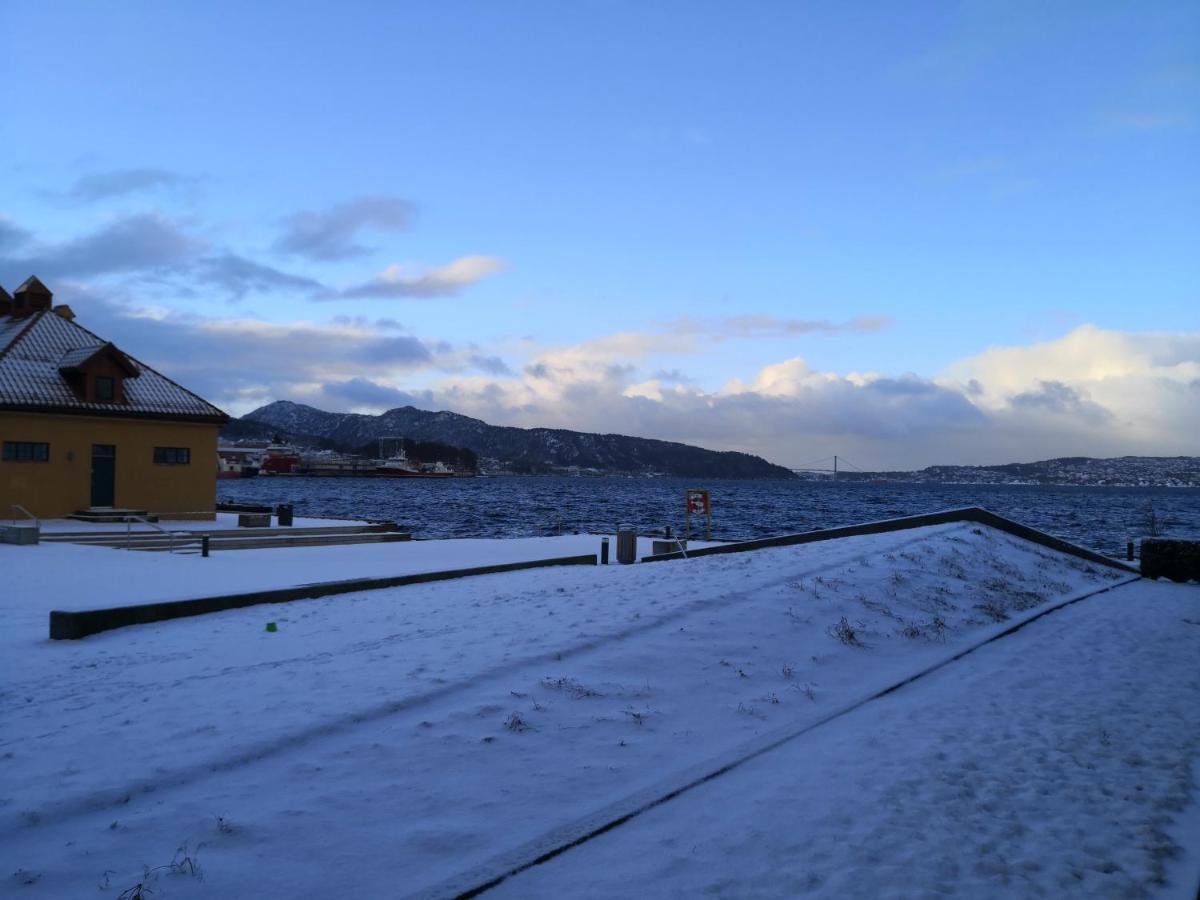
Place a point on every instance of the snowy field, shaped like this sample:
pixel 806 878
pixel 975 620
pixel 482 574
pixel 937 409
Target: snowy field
pixel 1051 764
pixel 390 742
pixel 72 576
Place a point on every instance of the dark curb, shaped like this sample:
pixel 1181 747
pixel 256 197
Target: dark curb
pixel 966 514
pixel 70 626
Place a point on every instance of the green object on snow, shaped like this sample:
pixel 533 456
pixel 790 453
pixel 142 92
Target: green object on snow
pixel 272 627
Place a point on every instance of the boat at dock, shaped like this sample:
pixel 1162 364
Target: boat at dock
pixel 336 465
pixel 396 464
pixel 279 459
pixel 237 462
pixel 400 466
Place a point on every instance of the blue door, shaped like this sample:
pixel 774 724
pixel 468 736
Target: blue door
pixel 104 474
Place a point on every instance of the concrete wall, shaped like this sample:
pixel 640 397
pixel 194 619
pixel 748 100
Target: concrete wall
pixel 1176 559
pixel 63 484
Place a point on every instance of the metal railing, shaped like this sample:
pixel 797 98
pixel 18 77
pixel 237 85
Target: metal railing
pixel 19 508
pixel 171 535
pixel 680 546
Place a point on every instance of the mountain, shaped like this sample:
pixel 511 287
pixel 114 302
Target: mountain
pixel 514 449
pixel 1139 471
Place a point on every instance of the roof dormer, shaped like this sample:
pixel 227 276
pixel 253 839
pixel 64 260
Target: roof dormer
pixel 32 296
pixel 97 373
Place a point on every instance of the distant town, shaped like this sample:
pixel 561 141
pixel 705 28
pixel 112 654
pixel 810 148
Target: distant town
pixel 1122 471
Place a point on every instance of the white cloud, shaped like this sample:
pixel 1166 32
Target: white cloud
pixel 755 325
pixel 1148 383
pixel 1091 392
pixel 1087 354
pixel 401 281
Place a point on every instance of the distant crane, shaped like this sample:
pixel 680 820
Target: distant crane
pixel 821 465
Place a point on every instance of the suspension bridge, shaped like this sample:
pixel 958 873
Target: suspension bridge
pixel 829 464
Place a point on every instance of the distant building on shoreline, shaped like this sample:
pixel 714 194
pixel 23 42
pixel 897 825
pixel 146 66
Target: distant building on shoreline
pixel 84 425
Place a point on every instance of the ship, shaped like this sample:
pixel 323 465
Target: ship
pixel 330 464
pixel 398 465
pixel 237 462
pixel 279 459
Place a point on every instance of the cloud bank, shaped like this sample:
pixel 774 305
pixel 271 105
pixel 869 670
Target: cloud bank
pixel 326 235
pixel 143 241
pixel 1090 392
pixel 120 182
pixel 158 250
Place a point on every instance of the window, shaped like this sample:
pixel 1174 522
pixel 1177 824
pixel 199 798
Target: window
pixel 105 389
pixel 26 451
pixel 173 456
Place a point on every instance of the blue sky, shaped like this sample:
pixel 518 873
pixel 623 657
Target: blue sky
pixel 789 228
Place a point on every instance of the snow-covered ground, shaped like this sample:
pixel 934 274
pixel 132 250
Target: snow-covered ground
pixel 381 743
pixel 1053 763
pixel 71 576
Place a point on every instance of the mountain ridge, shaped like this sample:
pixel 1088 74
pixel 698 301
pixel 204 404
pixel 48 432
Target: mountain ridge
pixel 517 449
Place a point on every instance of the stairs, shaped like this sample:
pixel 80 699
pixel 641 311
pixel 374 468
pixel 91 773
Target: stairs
pixel 111 514
pixel 232 539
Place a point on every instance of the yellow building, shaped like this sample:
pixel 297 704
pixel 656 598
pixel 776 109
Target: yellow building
pixel 85 426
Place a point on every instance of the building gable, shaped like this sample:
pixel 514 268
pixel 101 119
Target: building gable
pixel 50 363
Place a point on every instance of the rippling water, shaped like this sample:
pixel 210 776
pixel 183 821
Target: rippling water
pixel 1102 518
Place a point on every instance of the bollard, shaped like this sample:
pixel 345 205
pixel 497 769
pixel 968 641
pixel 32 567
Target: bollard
pixel 667 532
pixel 204 545
pixel 604 551
pixel 1129 551
pixel 284 513
pixel 626 545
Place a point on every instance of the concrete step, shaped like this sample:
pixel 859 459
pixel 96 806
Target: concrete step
pixel 192 545
pixel 110 514
pixel 143 533
pixel 236 541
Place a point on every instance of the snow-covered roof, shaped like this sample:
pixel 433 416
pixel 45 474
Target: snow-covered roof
pixel 10 329
pixel 35 348
pixel 72 359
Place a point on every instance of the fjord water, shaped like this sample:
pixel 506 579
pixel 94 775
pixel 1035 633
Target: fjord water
pixel 1102 518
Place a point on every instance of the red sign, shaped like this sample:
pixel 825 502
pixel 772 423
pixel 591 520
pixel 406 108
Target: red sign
pixel 697 502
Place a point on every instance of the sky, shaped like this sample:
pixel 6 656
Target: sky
pixel 908 234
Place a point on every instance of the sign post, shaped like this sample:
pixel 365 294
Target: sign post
pixel 698 501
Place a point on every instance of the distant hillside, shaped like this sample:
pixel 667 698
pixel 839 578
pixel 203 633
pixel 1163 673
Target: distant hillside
pixel 1142 471
pixel 516 449
pixel 459 458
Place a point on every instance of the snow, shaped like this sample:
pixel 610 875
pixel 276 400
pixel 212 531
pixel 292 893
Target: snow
pixel 382 743
pixel 72 576
pixel 1052 770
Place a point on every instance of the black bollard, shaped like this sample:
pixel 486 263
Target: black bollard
pixel 626 545
pixel 604 551
pixel 204 545
pixel 667 532
pixel 1129 551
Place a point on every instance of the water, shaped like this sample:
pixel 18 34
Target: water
pixel 1102 518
